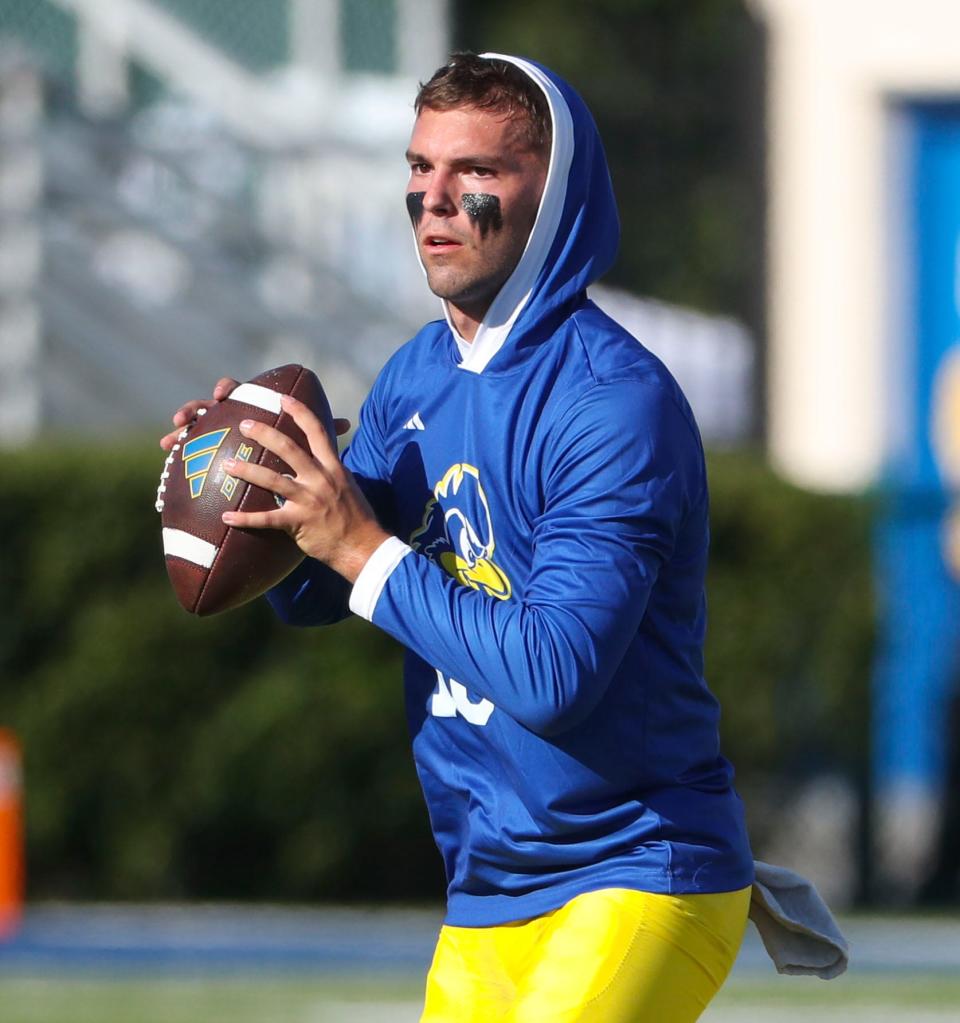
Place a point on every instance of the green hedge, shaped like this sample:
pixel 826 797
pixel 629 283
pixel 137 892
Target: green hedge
pixel 167 756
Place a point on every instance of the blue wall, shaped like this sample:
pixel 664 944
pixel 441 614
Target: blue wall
pixel 919 661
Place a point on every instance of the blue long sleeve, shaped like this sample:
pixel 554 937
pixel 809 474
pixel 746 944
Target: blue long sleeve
pixel 625 473
pixel 312 594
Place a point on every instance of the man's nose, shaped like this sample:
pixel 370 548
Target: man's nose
pixel 439 198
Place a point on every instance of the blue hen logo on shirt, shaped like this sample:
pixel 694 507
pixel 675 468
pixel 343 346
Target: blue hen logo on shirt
pixel 457 532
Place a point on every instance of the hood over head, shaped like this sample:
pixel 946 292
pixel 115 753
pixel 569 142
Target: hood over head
pixel 575 236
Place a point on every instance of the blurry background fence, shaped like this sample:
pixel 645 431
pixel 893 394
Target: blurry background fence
pixel 216 190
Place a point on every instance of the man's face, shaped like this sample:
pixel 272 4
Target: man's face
pixel 474 190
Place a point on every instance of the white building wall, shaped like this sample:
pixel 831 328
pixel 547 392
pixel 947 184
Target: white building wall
pixel 838 69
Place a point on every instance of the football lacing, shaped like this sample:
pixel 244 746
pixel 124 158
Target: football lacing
pixel 165 475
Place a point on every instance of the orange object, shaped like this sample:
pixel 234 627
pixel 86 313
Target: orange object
pixel 11 834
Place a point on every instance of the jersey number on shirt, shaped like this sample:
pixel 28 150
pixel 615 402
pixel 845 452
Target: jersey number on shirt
pixel 451 699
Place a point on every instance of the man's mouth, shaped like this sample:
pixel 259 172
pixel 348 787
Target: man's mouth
pixel 439 242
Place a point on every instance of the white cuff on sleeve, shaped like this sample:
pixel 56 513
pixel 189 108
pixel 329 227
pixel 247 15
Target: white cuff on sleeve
pixel 374 575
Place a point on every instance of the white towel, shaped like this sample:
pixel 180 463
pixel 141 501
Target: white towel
pixel 797 929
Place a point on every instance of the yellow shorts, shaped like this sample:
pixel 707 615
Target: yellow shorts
pixel 612 956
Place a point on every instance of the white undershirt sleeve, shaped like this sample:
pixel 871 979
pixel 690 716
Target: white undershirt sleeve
pixel 374 575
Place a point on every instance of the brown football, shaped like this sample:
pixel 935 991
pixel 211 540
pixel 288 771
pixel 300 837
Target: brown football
pixel 214 567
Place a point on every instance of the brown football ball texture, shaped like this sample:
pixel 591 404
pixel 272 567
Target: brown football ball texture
pixel 214 567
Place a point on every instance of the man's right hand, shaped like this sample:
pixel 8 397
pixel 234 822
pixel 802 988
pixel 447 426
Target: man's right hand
pixel 188 412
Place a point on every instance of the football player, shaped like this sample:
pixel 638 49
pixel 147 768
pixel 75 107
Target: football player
pixel 524 506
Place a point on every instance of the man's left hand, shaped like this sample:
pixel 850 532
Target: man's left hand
pixel 324 510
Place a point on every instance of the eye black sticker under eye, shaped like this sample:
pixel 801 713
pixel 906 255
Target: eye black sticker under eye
pixel 484 210
pixel 415 206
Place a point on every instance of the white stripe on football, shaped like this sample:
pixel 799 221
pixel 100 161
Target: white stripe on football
pixel 179 544
pixel 254 394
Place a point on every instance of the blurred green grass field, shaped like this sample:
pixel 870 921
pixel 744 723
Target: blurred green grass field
pixel 375 998
pixel 249 964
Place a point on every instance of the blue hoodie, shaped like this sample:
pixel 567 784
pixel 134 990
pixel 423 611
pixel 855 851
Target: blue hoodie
pixel 548 494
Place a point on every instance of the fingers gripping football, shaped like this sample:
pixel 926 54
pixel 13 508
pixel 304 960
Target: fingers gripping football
pixel 322 507
pixel 189 410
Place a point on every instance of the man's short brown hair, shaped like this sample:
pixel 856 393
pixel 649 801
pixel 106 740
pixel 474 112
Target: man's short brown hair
pixel 490 84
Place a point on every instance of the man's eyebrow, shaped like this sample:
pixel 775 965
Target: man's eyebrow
pixel 477 160
pixel 470 160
